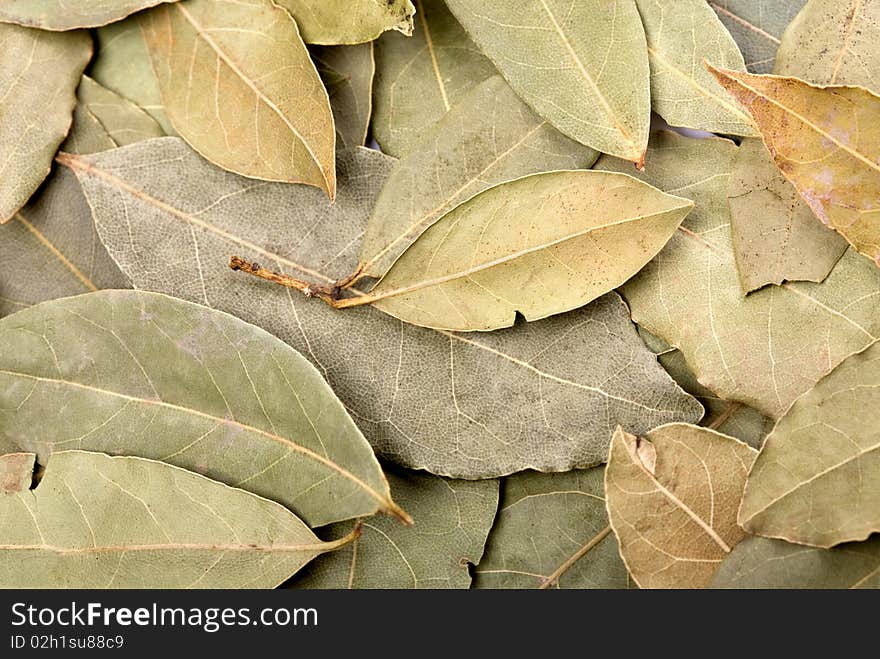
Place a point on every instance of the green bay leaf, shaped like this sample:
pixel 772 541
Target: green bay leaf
pixel 70 14
pixel 422 397
pixel 347 72
pixel 334 22
pixel 135 373
pixel 96 521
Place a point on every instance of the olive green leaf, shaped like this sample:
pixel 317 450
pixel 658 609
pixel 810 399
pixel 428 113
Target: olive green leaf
pixel 817 480
pixel 552 532
pixel 833 42
pixel 226 71
pixel 333 22
pixel 70 14
pixel 545 395
pixel 672 498
pixel 776 237
pixel 763 350
pixel 488 138
pixel 803 125
pixel 96 521
pixel 420 78
pixel 582 66
pixel 681 34
pixel 764 563
pixel 104 120
pixel 757 27
pixel 347 72
pixel 39 72
pixel 122 64
pixel 539 245
pixel 451 521
pixel 136 373
pixel 727 417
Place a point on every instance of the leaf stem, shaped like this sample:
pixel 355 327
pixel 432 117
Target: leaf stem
pixel 574 558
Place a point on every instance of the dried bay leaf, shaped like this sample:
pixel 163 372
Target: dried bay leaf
pixel 332 22
pixel 135 373
pixel 122 64
pixel 681 34
pixel 451 521
pixel 552 532
pixel 538 245
pixel 764 350
pixel 817 480
pixel 764 563
pixel 489 137
pixel 347 72
pixel 672 497
pixel 583 66
pixel 70 14
pixel 96 521
pixel 226 71
pixel 39 72
pixel 420 78
pixel 422 397
pixel 803 125
pixel 757 26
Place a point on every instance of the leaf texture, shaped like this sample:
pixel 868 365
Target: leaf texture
pixel 817 480
pixel 681 34
pixel 332 22
pixel 226 71
pixel 757 26
pixel 39 72
pixel 70 14
pixel 552 532
pixel 452 519
pixel 582 66
pixel 347 72
pixel 764 563
pixel 539 245
pixel 488 138
pixel 122 64
pixel 675 530
pixel 134 373
pixel 96 521
pixel 764 350
pixel 422 397
pixel 420 78
pixel 837 126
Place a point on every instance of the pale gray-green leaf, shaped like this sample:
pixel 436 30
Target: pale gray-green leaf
pixel 581 65
pixel 772 564
pixel 420 78
pixel 817 480
pixel 554 388
pixel 347 72
pixel 757 27
pixel 451 521
pixel 333 22
pixel 682 34
pixel 96 521
pixel 764 350
pixel 39 72
pixel 489 137
pixel 135 373
pixel 70 14
pixel 552 531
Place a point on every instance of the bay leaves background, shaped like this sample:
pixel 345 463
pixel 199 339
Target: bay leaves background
pixel 134 373
pixel 96 521
pixel 333 22
pixel 420 78
pixel 420 396
pixel 347 73
pixel 39 73
pixel 451 518
pixel 226 71
pixel 552 531
pixel 582 66
pixel 70 14
pixel 763 350
pixel 489 137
